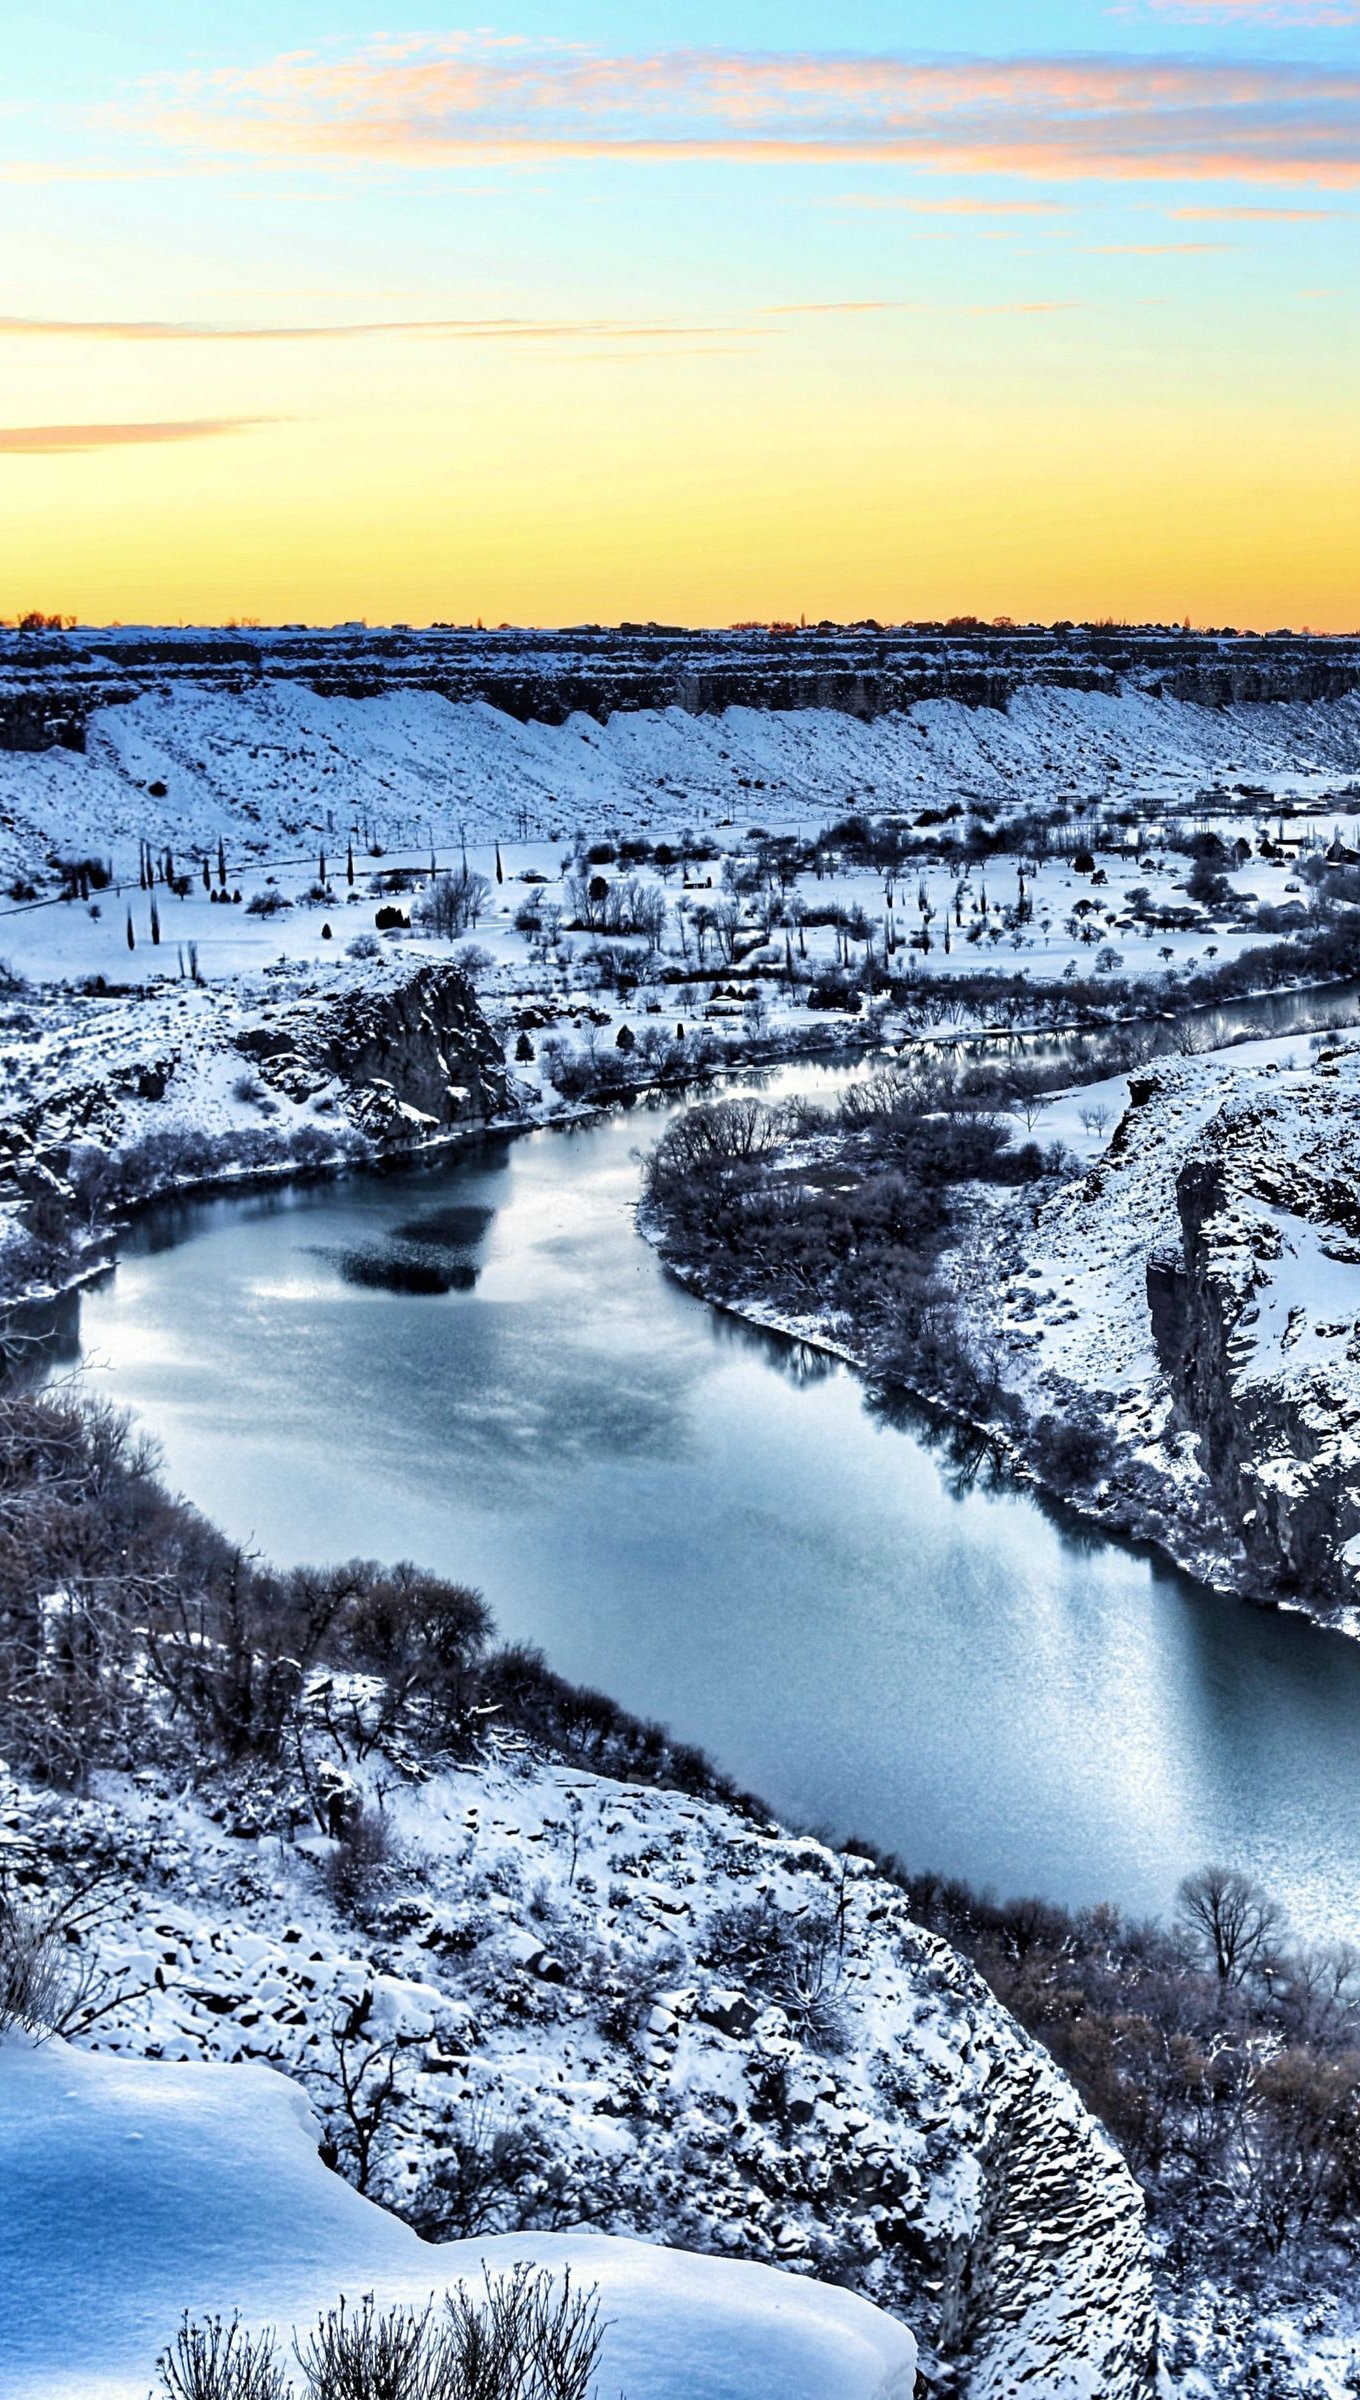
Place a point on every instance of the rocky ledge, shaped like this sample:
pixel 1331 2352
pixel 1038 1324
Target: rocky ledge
pixel 1191 1303
pixel 112 1098
pixel 1257 1319
pixel 414 1056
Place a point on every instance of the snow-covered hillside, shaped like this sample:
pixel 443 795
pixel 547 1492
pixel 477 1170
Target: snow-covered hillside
pixel 134 2192
pixel 604 2003
pixel 279 767
pixel 1198 1290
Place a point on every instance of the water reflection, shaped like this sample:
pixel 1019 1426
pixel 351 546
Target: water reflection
pixel 848 1603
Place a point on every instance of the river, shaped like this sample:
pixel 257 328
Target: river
pixel 714 1526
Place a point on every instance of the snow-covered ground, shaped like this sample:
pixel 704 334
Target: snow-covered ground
pixel 549 1946
pixel 1270 1125
pixel 284 766
pixel 135 2191
pixel 695 2027
pixel 278 773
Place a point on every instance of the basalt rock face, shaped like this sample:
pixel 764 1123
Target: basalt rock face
pixel 1257 1321
pixel 106 1102
pixel 51 683
pixel 417 1056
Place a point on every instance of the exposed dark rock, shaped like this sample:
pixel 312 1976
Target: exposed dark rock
pixel 419 1054
pixel 50 683
pixel 1263 1367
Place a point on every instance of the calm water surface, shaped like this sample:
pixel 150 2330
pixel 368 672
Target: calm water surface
pixel 715 1528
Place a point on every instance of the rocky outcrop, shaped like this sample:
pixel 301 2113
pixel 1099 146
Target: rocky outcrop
pixel 112 1100
pixel 50 683
pixel 417 1056
pixel 1257 1322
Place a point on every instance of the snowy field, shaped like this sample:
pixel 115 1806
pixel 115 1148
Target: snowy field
pixel 553 1958
pixel 134 2191
pixel 285 856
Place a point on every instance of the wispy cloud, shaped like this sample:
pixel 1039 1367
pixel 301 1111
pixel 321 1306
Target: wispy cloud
pixel 1232 215
pixel 441 101
pixel 57 440
pixel 462 329
pixel 1152 249
pixel 70 170
pixel 1256 12
pixel 962 207
pixel 879 308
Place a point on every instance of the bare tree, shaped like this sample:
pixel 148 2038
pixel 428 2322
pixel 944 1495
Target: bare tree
pixel 454 902
pixel 1229 1916
pixel 362 2084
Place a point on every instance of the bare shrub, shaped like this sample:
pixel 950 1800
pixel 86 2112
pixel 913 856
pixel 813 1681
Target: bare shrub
pixel 526 2337
pixel 481 2163
pixel 527 2340
pixel 372 2353
pixel 359 1864
pixel 33 1970
pixel 51 1981
pixel 796 1961
pixel 1068 1452
pixel 216 2359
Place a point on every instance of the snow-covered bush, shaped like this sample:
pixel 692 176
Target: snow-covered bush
pixel 527 2338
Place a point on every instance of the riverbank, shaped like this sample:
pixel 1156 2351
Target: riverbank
pixel 1108 1514
pixel 535 1963
pixel 1229 1452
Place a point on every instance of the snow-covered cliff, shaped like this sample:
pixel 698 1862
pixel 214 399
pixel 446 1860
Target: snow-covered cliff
pixel 631 2007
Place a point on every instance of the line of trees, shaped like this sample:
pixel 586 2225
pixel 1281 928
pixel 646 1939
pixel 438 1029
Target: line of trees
pixel 1221 2053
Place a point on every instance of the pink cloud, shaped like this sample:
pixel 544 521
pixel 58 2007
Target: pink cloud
pixel 30 441
pixel 463 329
pixel 457 100
pixel 1258 12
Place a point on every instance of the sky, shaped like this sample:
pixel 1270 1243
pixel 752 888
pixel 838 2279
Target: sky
pixel 699 313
